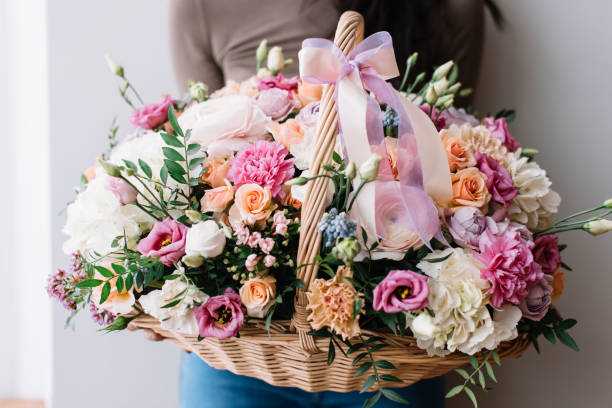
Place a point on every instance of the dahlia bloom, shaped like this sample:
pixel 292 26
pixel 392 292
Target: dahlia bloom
pixel 263 163
pixel 221 316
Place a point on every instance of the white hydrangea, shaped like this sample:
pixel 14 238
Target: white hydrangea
pixel 457 317
pixel 536 204
pixel 303 151
pixel 179 317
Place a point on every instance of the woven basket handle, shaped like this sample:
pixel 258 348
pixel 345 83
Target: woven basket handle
pixel 348 34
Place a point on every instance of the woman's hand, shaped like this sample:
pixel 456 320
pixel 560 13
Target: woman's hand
pixel 147 333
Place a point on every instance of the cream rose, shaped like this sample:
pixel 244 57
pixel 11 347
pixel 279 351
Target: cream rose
pixel 252 205
pixel 258 295
pixel 205 239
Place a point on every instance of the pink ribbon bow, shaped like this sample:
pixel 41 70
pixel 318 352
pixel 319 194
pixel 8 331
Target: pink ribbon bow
pixel 368 67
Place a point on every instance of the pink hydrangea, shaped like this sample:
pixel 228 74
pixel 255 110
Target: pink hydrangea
pixel 499 180
pixel 152 115
pixel 221 316
pixel 510 266
pixel 166 241
pixel 263 163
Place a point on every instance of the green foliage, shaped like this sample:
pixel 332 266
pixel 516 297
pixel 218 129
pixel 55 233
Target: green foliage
pixel 552 327
pixel 479 368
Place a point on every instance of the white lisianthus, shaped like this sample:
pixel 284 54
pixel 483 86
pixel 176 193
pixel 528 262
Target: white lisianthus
pixel 535 204
pixel 180 316
pixel 205 239
pixel 298 192
pixel 457 304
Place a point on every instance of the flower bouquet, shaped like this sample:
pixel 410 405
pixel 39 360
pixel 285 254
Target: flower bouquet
pixel 239 227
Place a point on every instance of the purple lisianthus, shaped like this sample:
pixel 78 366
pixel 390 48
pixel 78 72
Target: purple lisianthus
pixel 499 130
pixel 166 241
pixel 499 180
pixel 466 226
pixel 401 290
pixel 275 103
pixel 546 253
pixel 535 305
pixel 221 316
pixel 454 116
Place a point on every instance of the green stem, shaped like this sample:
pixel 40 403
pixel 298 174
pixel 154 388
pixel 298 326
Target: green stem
pixel 570 224
pixel 144 196
pixel 346 193
pixel 147 211
pixel 363 183
pixel 134 90
pixel 374 368
pixel 579 214
pixel 152 194
pixel 557 231
pixel 188 174
pixel 405 78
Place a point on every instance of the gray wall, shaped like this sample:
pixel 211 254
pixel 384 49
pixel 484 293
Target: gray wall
pixel 551 64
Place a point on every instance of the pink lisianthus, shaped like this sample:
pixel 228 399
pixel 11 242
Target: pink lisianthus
pixel 499 130
pixel 466 225
pixel 539 297
pixel 279 81
pixel 152 115
pixel 401 290
pixel 546 253
pixel 221 316
pixel 499 180
pixel 121 189
pixel 440 120
pixel 263 163
pixel 166 241
pixel 510 266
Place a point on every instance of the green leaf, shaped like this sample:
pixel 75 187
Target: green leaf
pixel 300 284
pixel 567 324
pixel 319 333
pixel 119 269
pixel 129 281
pixel 171 140
pixel 269 319
pixel 363 368
pixel 473 362
pixel 378 347
pixel 566 266
pixel 120 323
pixel 385 365
pixel 337 158
pixel 130 164
pixel 436 260
pixel 163 174
pixel 481 380
pixel 193 181
pixel 354 348
pixel 394 396
pixel 172 154
pixel 177 203
pixel 187 135
pixel 548 334
pixel 358 358
pixel 567 340
pixel 374 339
pixel 490 371
pixel 174 167
pixel 496 358
pixel 89 283
pixel 105 292
pixel 196 162
pixel 104 272
pixel 389 377
pixel 139 279
pixel 471 395
pixel 173 121
pixel 356 307
pixel 454 391
pixel 368 383
pixel 146 169
pixel 172 304
pixel 331 354
pixel 119 284
pixel 370 402
pixel 462 373
pixel 193 148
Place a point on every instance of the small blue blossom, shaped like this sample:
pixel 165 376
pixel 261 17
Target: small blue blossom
pixel 390 122
pixel 334 226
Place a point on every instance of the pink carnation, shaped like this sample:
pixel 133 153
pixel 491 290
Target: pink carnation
pixel 266 245
pixel 499 130
pixel 166 241
pixel 510 266
pixel 251 262
pixel 152 115
pixel 221 316
pixel 499 180
pixel 279 81
pixel 269 261
pixel 262 163
pixel 254 239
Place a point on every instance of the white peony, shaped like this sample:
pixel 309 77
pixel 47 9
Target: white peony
pixel 536 204
pixel 179 317
pixel 299 192
pixel 457 304
pixel 205 239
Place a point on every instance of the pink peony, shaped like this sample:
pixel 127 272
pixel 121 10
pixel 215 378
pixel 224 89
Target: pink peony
pixel 121 189
pixel 535 305
pixel 152 115
pixel 401 291
pixel 262 163
pixel 499 130
pixel 546 253
pixel 221 316
pixel 510 266
pixel 454 116
pixel 275 103
pixel 166 241
pixel 499 180
pixel 279 81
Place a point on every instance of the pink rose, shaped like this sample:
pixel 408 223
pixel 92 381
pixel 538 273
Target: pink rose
pixel 401 290
pixel 251 262
pixel 266 245
pixel 499 180
pixel 276 103
pixel 535 305
pixel 152 115
pixel 121 189
pixel 166 241
pixel 221 316
pixel 510 266
pixel 546 253
pixel 499 130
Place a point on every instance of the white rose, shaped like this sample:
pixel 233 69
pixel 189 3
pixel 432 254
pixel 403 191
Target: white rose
pixel 423 325
pixel 205 239
pixel 299 192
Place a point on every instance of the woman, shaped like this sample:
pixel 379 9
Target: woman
pixel 214 41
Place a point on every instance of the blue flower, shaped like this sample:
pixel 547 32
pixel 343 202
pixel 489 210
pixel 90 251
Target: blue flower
pixel 334 226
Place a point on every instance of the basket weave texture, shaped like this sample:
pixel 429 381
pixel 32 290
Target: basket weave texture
pixel 288 356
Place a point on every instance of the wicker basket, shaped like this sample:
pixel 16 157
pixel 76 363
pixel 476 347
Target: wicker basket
pixel 288 356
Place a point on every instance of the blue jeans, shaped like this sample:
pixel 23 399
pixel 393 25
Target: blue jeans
pixel 202 386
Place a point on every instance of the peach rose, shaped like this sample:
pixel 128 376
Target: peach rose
pixel 258 294
pixel 470 188
pixel 217 199
pixel 289 133
pixel 90 173
pixel 391 144
pixel 458 155
pixel 214 176
pixel 308 92
pixel 117 302
pixel 558 283
pixel 252 205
